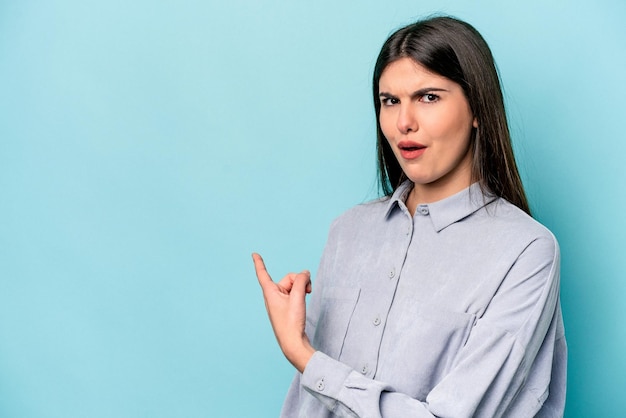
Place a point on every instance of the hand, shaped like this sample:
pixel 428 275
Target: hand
pixel 286 308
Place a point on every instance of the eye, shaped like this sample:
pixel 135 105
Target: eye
pixel 389 101
pixel 429 98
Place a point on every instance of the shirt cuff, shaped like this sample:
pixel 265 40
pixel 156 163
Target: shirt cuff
pixel 324 378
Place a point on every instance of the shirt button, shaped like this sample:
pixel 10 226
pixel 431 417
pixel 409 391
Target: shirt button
pixel 376 321
pixel 364 369
pixel 320 385
pixel 392 273
pixel 423 209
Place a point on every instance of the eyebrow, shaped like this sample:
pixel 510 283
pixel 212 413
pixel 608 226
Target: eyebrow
pixel 415 94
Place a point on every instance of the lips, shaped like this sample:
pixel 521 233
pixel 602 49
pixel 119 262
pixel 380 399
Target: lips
pixel 411 150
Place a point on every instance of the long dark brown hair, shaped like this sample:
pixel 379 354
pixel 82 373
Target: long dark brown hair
pixel 455 50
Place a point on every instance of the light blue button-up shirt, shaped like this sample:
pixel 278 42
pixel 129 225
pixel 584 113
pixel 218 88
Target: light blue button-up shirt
pixel 452 312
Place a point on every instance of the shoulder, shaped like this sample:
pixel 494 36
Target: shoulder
pixel 510 225
pixel 362 224
pixel 372 209
pixel 505 214
pixel 366 213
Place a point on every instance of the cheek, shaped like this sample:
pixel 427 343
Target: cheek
pixel 455 126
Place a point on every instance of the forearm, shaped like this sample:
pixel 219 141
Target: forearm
pixel 347 393
pixel 484 384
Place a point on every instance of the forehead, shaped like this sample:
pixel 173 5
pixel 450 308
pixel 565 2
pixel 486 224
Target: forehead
pixel 406 73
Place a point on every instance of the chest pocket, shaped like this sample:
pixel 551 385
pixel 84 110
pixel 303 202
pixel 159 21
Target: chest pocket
pixel 422 346
pixel 337 308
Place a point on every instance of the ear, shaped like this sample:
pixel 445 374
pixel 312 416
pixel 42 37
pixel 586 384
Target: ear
pixel 475 123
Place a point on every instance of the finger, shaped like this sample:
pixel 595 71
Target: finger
pixel 300 284
pixel 261 271
pixel 287 281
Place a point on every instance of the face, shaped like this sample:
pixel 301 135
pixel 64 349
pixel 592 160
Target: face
pixel 427 121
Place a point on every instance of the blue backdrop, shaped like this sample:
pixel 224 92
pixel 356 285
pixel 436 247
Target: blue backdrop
pixel 148 147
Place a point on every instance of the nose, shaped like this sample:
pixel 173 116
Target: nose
pixel 407 120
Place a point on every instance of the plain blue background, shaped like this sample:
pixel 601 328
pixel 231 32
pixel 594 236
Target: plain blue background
pixel 148 147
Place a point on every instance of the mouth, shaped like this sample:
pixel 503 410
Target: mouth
pixel 411 150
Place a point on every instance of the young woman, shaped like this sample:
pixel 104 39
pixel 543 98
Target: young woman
pixel 442 298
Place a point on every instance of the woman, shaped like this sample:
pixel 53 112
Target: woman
pixel 441 299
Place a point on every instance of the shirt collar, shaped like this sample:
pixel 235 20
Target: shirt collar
pixel 447 211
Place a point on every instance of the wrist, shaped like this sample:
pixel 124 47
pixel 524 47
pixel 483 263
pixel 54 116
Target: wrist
pixel 299 356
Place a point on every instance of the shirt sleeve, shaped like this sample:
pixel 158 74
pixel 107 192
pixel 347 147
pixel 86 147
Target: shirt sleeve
pixel 504 369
